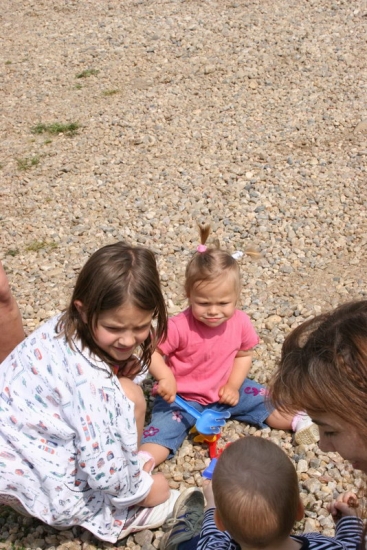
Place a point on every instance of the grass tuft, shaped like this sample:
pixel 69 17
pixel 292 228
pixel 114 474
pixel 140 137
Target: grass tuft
pixel 70 128
pixel 27 162
pixel 87 73
pixel 12 252
pixel 35 246
pixel 110 92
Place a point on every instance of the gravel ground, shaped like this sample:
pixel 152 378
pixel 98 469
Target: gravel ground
pixel 249 114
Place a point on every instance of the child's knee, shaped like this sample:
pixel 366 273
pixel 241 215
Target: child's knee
pixel 135 394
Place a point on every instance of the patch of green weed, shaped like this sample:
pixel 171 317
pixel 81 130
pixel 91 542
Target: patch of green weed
pixel 36 246
pixel 27 162
pixel 12 252
pixel 69 128
pixel 110 92
pixel 87 73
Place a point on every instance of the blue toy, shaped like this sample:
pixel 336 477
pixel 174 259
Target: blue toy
pixel 208 472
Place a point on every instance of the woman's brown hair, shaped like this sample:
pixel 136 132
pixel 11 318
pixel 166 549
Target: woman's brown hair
pixel 115 275
pixel 323 366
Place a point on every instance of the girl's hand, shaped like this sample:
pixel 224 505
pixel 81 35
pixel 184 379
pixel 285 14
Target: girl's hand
pixel 345 505
pixel 208 494
pixel 228 395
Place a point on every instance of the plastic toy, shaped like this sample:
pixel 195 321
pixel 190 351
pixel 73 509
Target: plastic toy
pixel 208 422
pixel 208 472
pixel 211 440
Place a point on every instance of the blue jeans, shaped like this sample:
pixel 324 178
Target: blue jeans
pixel 170 424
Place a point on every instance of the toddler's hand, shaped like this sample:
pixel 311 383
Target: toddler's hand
pixel 167 389
pixel 208 494
pixel 228 395
pixel 345 505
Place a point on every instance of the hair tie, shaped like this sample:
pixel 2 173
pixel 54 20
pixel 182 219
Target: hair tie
pixel 201 248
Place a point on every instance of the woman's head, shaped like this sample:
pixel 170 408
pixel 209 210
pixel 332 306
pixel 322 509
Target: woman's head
pixel 323 370
pixel 256 492
pixel 212 272
pixel 117 292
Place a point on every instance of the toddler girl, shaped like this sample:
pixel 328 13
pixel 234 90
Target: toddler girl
pixel 71 415
pixel 208 354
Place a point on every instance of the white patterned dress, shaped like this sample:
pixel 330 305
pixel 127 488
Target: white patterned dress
pixel 68 437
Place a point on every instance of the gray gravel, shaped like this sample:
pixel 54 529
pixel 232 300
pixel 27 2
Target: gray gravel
pixel 249 114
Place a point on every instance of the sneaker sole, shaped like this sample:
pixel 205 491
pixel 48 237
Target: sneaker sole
pixel 307 436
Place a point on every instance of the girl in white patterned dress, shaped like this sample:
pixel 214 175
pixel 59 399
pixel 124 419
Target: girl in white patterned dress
pixel 71 415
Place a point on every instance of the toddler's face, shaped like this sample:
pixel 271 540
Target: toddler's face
pixel 120 331
pixel 215 302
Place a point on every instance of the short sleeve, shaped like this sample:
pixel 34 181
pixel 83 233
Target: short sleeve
pixel 249 337
pixel 172 342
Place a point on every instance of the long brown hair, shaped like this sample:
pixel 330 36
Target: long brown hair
pixel 113 276
pixel 323 366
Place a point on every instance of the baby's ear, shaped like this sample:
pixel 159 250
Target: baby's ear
pixel 80 308
pixel 218 521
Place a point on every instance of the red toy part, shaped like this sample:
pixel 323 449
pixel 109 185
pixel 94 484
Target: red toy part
pixel 211 440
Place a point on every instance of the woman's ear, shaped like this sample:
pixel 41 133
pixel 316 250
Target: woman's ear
pixel 218 521
pixel 80 308
pixel 300 511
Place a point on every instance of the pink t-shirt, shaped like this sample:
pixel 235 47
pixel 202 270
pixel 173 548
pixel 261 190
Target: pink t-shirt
pixel 201 357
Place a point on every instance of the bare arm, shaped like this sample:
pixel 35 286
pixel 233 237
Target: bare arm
pixel 229 394
pixel 162 373
pixel 11 327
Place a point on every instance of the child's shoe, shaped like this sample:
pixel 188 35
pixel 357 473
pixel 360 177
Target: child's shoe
pixel 140 518
pixel 187 518
pixel 306 432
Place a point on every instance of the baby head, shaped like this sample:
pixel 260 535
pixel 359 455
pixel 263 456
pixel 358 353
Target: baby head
pixel 256 493
pixel 118 281
pixel 212 282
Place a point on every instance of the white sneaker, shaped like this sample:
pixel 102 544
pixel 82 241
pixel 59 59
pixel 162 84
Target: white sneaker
pixel 140 518
pixel 186 521
pixel 306 432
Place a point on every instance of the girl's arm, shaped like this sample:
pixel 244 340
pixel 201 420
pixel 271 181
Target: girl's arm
pixel 229 394
pixel 11 327
pixel 166 386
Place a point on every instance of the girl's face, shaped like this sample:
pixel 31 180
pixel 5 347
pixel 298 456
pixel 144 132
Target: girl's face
pixel 337 435
pixel 120 331
pixel 214 303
